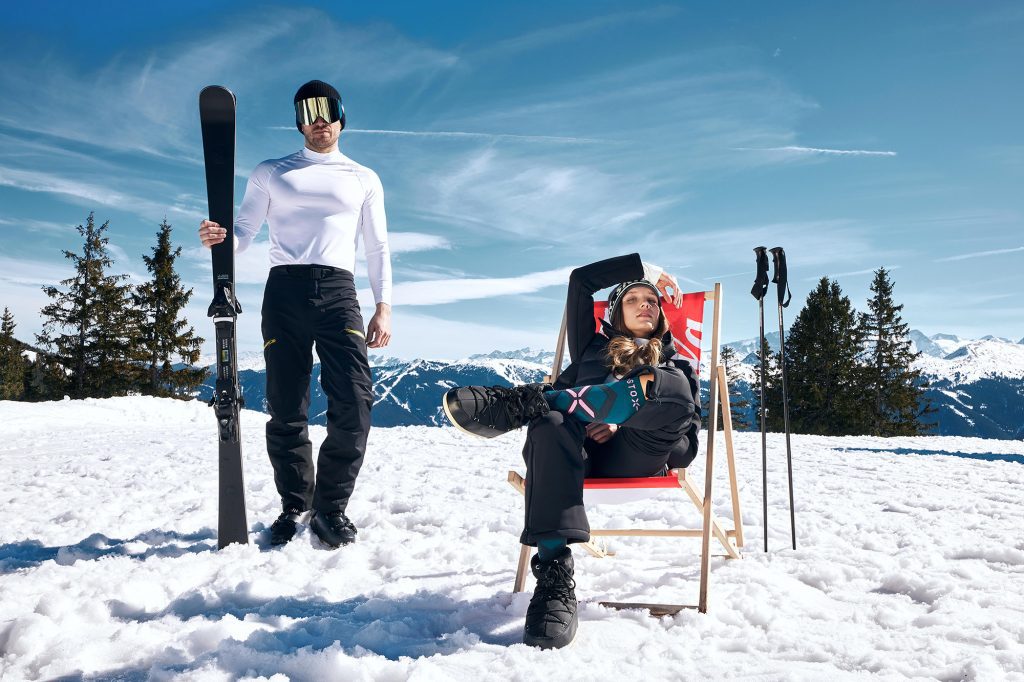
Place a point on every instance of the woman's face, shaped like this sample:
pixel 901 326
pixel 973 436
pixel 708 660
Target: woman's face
pixel 640 311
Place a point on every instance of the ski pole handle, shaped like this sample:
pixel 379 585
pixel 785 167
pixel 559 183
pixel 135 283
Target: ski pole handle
pixel 781 276
pixel 760 287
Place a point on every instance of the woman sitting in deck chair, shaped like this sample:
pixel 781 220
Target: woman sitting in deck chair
pixel 626 406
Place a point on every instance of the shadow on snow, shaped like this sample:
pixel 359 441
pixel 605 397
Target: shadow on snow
pixel 160 543
pixel 986 456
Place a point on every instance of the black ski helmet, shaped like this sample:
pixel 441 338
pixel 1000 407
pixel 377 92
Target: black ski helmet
pixel 317 88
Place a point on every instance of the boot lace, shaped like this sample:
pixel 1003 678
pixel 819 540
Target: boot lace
pixel 289 515
pixel 555 582
pixel 504 406
pixel 338 520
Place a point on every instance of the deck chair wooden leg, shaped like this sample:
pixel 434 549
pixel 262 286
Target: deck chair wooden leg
pixel 737 516
pixel 716 525
pixel 524 563
pixel 705 544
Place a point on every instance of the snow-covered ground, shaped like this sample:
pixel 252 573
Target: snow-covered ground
pixel 910 563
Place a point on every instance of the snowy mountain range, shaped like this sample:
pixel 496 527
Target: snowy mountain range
pixel 977 385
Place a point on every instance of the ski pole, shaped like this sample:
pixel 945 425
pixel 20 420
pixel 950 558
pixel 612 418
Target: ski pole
pixel 759 291
pixel 781 279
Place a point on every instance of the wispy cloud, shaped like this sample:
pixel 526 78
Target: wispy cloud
pixel 33 225
pixel 683 97
pixel 716 278
pixel 980 254
pixel 532 199
pixel 441 291
pixel 968 220
pixel 461 135
pixel 33 273
pixel 156 91
pixel 252 266
pixel 853 273
pixel 819 244
pixel 21 290
pixel 415 335
pixel 570 31
pixel 409 242
pixel 427 271
pixel 678 117
pixel 476 136
pixel 86 193
pixel 38 181
pixel 817 151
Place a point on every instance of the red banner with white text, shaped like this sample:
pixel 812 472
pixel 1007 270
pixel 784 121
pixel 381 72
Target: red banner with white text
pixel 686 323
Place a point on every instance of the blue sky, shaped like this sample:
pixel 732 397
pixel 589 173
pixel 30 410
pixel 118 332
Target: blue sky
pixel 517 140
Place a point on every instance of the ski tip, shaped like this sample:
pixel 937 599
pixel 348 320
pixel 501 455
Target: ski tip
pixel 215 91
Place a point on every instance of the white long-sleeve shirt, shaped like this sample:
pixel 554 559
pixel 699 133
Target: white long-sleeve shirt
pixel 317 207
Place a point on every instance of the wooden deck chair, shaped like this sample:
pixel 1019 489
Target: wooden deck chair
pixel 686 323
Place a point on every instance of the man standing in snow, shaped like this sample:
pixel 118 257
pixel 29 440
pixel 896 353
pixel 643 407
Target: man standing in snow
pixel 317 204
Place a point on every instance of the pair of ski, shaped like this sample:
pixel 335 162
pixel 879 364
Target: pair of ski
pixel 217 119
pixel 781 279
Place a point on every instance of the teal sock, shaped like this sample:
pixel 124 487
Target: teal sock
pixel 549 548
pixel 611 403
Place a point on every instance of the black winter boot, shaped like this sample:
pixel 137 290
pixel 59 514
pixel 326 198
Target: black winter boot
pixel 283 529
pixel 551 619
pixel 333 528
pixel 490 411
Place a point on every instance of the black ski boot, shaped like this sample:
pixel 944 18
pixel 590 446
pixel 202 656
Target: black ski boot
pixel 333 528
pixel 283 529
pixel 551 619
pixel 490 411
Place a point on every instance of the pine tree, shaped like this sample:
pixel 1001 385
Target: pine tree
pixel 165 337
pixel 12 365
pixel 894 391
pixel 45 379
pixel 772 390
pixel 826 395
pixel 738 405
pixel 91 328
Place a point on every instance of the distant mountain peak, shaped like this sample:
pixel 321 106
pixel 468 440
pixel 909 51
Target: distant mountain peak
pixel 989 357
pixel 250 359
pixel 527 354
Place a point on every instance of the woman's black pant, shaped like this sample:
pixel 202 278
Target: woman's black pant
pixel 305 305
pixel 558 457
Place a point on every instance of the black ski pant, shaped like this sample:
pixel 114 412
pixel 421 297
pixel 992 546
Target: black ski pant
pixel 558 456
pixel 305 305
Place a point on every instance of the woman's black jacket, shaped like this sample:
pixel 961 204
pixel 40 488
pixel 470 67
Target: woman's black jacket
pixel 587 348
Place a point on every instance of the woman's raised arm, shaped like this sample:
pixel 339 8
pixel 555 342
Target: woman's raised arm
pixel 583 282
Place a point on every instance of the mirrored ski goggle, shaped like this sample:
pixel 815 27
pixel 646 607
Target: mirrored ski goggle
pixel 307 111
